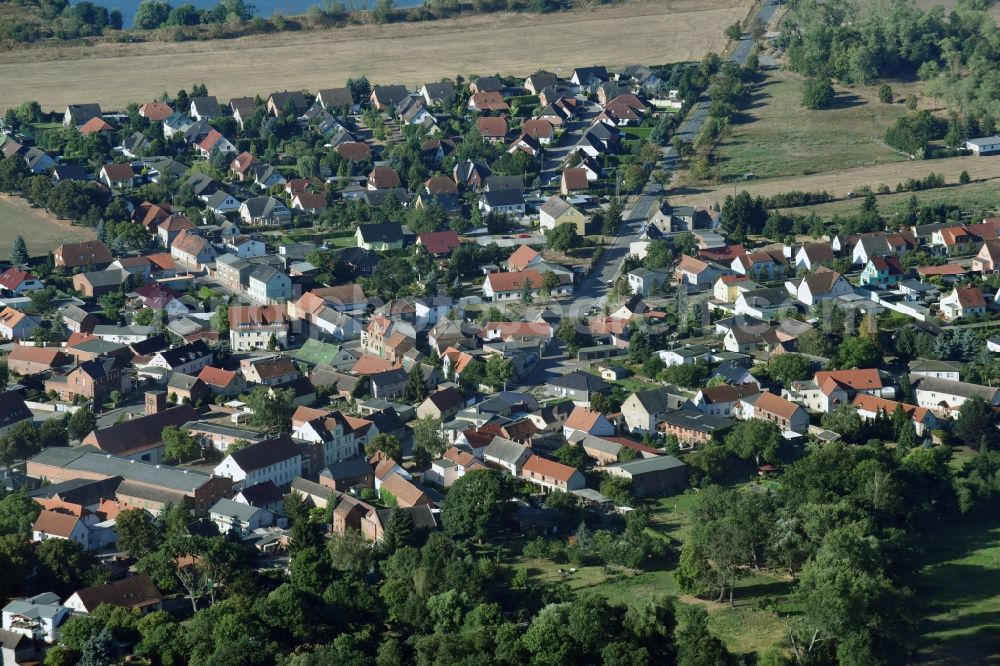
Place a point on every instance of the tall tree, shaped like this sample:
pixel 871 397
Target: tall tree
pixel 478 504
pixel 19 252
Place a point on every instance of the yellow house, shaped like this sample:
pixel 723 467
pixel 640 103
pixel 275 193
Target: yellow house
pixel 556 211
pixel 727 288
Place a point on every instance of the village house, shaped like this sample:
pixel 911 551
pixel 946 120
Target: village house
pixel 586 421
pixel 962 302
pixel 268 371
pixel 192 250
pixel 276 460
pixel 767 406
pixel 188 358
pixel 643 410
pixel 385 236
pixel 18 282
pixel 91 254
pixel 822 285
pixel 257 327
pixel 94 380
pixel 16 325
pixel 556 211
pixel 141 438
pixel 652 477
pixel 869 407
pixel 946 397
pixel 580 387
pixel 550 475
pixel 265 211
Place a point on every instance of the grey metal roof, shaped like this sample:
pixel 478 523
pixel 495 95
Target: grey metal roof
pixel 230 508
pixel 504 450
pixel 647 465
pixel 182 480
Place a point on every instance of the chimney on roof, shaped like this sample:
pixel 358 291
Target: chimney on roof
pixel 156 401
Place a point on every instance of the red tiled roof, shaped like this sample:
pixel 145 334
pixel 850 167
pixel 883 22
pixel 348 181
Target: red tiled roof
pixel 548 468
pixel 95 125
pixel 521 257
pixel 155 111
pixel 513 281
pixel 943 269
pixel 864 379
pixel 12 278
pixel 216 376
pixel 439 242
pixel 872 403
pixel 582 418
pixel 772 404
pixel 970 297
pixel 372 365
pixel 492 127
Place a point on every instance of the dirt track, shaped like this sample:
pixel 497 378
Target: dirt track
pixel 840 183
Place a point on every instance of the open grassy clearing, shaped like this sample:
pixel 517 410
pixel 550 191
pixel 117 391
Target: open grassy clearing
pixel 42 232
pixel 982 197
pixel 983 170
pixel 410 53
pixel 753 625
pixel 775 136
pixel 962 584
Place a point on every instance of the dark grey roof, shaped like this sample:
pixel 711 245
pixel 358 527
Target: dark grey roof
pixel 81 113
pixel 207 106
pixel 351 468
pixel 646 465
pixel 443 91
pixel 581 381
pixel 391 94
pixel 659 400
pixel 12 409
pixel 381 233
pixel 185 353
pixel 70 172
pixel 202 184
pixel 504 183
pixel 265 453
pixel 265 207
pixel 108 278
pixel 489 84
pixel 697 421
pixel 86 492
pixel 422 516
pixel 496 198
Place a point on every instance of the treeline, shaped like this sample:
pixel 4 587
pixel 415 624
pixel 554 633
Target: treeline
pixel 956 53
pixel 55 19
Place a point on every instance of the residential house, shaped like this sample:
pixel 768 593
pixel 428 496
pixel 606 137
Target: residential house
pixel 933 368
pixel 589 422
pixel 869 407
pixel 722 399
pixel 16 325
pixel 452 466
pixel 91 254
pixel 205 108
pixel 692 427
pixel 643 410
pixel 384 236
pixel 268 371
pixel 118 177
pixel 508 202
pixel 277 460
pixel 492 129
pixel 257 327
pixel 813 255
pixel 192 250
pixel 727 288
pixel 556 211
pixel 987 260
pixel 94 379
pixel 266 285
pixel 222 382
pixel 135 592
pixel 78 114
pixel 337 100
pixel 439 243
pixel 388 97
pixel 280 103
pixel 487 101
pixel 946 397
pixel 442 405
pixel 769 407
pixel 551 475
pixel 26 361
pixel 13 410
pixel 239 518
pixel 645 282
pixel 506 455
pixel 470 174
pixel 141 438
pixel 94 284
pixel 574 180
pixel 578 386
pixel 17 282
pixel 696 272
pixel 882 272
pixel 652 477
pixel 961 302
pixel 38 618
pixel 822 285
pixel 265 211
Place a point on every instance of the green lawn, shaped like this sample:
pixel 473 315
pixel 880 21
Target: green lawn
pixel 961 582
pixel 776 136
pixel 975 197
pixel 637 132
pixel 754 625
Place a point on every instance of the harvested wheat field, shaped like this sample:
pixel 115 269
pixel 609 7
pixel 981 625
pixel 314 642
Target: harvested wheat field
pixel 410 53
pixel 839 183
pixel 42 232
